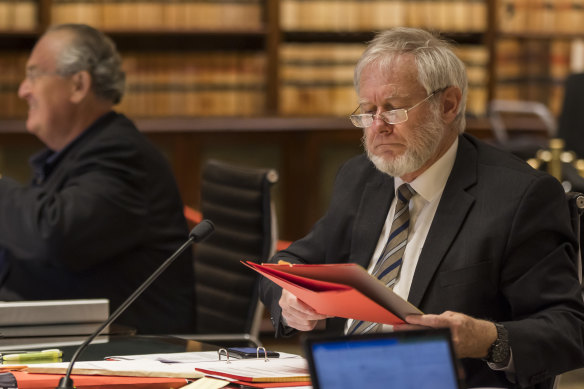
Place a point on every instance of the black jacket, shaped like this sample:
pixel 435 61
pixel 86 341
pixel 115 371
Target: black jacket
pixel 97 226
pixel 500 248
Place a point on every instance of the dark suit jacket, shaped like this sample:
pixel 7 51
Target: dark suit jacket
pixel 500 247
pixel 101 222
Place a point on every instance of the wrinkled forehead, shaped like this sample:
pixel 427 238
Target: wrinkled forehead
pixel 397 76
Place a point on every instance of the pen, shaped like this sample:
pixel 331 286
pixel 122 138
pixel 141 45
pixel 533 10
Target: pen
pixel 29 356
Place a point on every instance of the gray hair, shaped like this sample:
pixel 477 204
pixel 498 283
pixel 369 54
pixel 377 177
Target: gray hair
pixel 93 51
pixel 437 65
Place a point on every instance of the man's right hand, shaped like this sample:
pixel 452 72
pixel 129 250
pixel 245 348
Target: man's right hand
pixel 298 314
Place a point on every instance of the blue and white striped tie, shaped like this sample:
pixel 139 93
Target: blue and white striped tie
pixel 389 264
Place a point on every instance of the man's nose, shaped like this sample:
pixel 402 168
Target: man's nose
pixel 24 88
pixel 381 125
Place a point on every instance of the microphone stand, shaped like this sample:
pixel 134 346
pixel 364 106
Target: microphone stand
pixel 200 232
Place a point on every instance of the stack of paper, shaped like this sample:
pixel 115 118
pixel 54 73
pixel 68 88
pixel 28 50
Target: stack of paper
pixel 287 371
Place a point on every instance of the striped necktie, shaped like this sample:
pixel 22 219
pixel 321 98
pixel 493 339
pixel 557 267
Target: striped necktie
pixel 389 264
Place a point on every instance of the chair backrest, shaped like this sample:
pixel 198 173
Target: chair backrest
pixel 571 118
pixel 501 113
pixel 237 200
pixel 576 203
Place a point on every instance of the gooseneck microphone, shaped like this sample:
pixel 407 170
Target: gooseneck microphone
pixel 200 232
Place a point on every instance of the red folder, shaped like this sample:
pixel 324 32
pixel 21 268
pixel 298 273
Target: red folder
pixel 50 381
pixel 343 290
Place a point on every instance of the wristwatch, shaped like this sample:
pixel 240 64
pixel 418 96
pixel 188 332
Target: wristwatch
pixel 499 352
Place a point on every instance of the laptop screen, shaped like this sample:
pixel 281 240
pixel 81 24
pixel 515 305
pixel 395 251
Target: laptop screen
pixel 403 359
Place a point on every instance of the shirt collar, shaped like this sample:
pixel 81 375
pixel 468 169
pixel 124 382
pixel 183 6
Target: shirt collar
pixel 430 184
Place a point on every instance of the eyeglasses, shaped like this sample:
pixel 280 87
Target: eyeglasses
pixel 394 116
pixel 32 74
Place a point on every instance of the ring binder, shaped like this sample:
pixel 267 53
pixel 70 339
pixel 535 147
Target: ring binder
pixel 265 354
pixel 226 354
pixel 247 353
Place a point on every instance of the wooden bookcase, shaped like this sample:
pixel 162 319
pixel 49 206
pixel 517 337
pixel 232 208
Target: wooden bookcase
pixel 306 150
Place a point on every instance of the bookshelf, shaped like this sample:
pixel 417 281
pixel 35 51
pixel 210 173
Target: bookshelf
pixel 537 45
pixel 285 66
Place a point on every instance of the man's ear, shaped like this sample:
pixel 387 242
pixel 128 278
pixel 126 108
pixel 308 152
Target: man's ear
pixel 452 98
pixel 81 86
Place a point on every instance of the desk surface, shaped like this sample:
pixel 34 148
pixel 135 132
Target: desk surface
pixel 119 345
pixel 138 344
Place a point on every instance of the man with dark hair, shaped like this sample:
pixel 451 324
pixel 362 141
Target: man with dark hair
pixel 474 237
pixel 103 210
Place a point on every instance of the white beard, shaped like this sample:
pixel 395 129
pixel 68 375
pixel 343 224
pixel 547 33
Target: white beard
pixel 422 144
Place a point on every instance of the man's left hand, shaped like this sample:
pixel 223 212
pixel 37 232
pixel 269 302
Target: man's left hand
pixel 471 337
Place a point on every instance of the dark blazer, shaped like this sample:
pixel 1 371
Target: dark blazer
pixel 102 221
pixel 500 247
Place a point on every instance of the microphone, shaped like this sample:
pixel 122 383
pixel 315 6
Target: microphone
pixel 200 232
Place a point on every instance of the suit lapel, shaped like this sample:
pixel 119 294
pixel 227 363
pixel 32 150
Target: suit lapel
pixel 375 202
pixel 450 214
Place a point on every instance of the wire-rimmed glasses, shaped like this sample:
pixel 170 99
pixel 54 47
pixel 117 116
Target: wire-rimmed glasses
pixel 393 116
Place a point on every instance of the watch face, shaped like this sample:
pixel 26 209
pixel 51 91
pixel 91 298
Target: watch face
pixel 500 352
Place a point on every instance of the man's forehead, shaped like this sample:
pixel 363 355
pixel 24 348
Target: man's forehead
pixel 392 91
pixel 43 54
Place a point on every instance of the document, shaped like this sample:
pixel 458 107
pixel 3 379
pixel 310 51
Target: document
pixel 192 356
pixel 136 368
pixel 344 290
pixel 290 368
pixel 259 370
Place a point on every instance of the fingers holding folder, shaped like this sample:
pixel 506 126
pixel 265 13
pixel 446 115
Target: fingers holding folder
pixel 298 314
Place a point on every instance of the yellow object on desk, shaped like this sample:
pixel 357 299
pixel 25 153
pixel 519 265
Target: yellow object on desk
pixel 51 354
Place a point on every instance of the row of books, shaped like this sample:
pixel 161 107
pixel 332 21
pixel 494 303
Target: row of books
pixel 18 15
pixel 194 84
pixel 176 84
pixel 317 79
pixel 297 15
pixel 565 16
pixel 366 15
pixel 161 14
pixel 535 70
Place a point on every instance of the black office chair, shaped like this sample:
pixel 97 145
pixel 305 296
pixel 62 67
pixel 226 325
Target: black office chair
pixel 576 205
pixel 576 202
pixel 525 146
pixel 237 200
pixel 571 119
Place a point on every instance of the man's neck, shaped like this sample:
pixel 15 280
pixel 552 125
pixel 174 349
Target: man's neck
pixel 79 123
